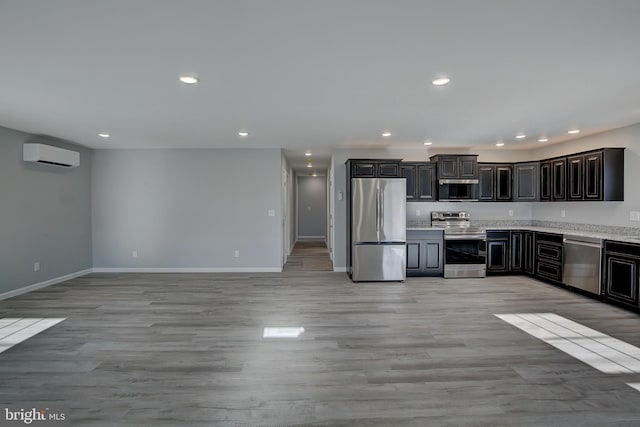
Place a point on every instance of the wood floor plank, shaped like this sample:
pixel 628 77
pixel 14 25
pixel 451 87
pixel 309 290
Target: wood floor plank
pixel 188 349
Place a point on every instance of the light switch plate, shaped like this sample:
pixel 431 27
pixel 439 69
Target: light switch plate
pixel 271 212
pixel 418 213
pixel 634 216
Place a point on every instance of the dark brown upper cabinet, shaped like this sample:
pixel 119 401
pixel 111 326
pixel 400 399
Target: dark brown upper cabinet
pixel 553 179
pixel 596 175
pixel 451 166
pixel 374 168
pixel 421 181
pixel 526 178
pixel 495 182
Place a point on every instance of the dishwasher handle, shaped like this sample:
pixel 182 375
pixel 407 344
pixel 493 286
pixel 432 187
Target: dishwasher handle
pixel 580 243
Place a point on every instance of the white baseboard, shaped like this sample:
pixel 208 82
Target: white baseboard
pixel 24 290
pixel 190 270
pixel 323 238
pixel 340 269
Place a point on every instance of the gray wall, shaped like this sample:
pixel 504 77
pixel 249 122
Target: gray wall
pixel 312 206
pixel 45 214
pixel 605 213
pixel 187 208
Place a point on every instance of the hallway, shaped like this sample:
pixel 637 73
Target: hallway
pixel 311 255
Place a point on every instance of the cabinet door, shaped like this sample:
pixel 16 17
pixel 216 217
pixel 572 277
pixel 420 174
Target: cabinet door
pixel 516 250
pixel 503 182
pixel 545 181
pixel 448 166
pixel 486 175
pixel 574 177
pixel 389 170
pixel 426 190
pixel 528 252
pixel 433 261
pixel 497 256
pixel 559 182
pixel 593 181
pixel 363 170
pixel 413 256
pixel 468 167
pixel 621 278
pixel 526 181
pixel 409 173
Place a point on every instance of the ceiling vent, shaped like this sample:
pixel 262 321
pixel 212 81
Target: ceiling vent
pixel 41 153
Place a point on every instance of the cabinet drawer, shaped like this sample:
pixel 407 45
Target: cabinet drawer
pixel 549 270
pixel 549 251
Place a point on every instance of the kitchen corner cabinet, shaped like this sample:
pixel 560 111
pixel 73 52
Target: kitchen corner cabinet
pixel 421 181
pixel 621 267
pixel 374 168
pixel 425 253
pixel 456 167
pixel 498 252
pixel 525 181
pixel 495 182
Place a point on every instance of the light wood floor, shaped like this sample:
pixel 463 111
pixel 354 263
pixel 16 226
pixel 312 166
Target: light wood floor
pixel 309 256
pixel 187 349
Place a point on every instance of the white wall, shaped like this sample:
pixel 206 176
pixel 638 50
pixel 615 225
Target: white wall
pixel 187 209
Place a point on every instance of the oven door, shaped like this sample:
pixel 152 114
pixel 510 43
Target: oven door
pixel 465 256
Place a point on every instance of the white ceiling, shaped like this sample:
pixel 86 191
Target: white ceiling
pixel 303 74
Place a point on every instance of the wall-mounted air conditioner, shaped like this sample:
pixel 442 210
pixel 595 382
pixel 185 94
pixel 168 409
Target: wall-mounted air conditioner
pixel 41 153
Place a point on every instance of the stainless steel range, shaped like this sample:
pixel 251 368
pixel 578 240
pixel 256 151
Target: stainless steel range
pixel 465 246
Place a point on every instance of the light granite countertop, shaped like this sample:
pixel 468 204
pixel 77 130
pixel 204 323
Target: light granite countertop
pixel 628 238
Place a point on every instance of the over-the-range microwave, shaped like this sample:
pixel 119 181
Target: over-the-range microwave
pixel 458 190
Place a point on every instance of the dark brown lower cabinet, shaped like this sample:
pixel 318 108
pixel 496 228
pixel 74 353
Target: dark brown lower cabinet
pixel 548 257
pixel 497 252
pixel 517 252
pixel 425 253
pixel 621 268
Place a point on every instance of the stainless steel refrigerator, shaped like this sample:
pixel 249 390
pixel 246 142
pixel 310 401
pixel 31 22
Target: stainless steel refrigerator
pixel 378 229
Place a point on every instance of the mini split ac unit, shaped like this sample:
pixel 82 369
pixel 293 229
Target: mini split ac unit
pixel 41 153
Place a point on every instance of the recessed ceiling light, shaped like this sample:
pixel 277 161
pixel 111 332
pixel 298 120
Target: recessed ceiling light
pixel 427 142
pixel 543 140
pixel 309 165
pixel 308 153
pixel 104 135
pixel 243 134
pixel 440 81
pixel 386 134
pixel 315 174
pixel 189 80
pixel 521 136
pixel 573 131
pixel 499 144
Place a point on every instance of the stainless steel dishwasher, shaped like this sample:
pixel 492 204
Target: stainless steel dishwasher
pixel 581 265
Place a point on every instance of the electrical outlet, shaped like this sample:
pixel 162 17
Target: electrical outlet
pixel 134 254
pixel 340 195
pixel 563 213
pixel 510 212
pixel 418 213
pixel 634 216
pixel 236 253
pixel 36 266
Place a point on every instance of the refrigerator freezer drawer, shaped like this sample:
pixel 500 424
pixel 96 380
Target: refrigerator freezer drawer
pixel 372 263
